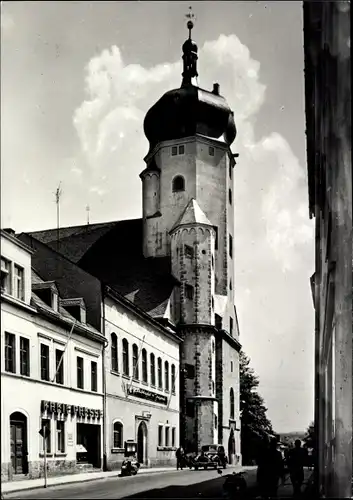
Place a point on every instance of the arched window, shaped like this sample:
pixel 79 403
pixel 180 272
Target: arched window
pixel 160 382
pixel 135 365
pixel 166 375
pixel 125 357
pixel 178 184
pixel 153 369
pixel 114 352
pixel 231 402
pixel 117 435
pixel 173 379
pixel 144 365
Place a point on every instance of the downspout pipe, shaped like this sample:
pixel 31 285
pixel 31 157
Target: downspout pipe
pixel 104 380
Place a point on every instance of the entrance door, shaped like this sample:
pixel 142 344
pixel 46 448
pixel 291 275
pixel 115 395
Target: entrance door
pixel 231 447
pixel 142 443
pixel 18 443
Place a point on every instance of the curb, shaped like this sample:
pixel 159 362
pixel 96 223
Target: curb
pixel 76 481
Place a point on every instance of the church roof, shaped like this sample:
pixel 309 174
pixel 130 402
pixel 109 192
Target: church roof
pixel 112 252
pixel 192 214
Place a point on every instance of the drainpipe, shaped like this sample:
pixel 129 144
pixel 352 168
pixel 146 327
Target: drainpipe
pixel 104 380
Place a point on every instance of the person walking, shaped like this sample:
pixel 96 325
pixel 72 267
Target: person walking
pixel 296 461
pixel 180 458
pixel 270 470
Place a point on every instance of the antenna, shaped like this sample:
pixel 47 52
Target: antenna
pixel 88 211
pixel 58 194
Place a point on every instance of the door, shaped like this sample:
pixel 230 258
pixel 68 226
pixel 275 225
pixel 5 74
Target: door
pixel 141 443
pixel 17 432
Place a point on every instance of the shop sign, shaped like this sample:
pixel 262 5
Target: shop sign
pixel 64 409
pixel 139 392
pixel 70 439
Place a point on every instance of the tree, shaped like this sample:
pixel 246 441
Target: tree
pixel 310 436
pixel 255 426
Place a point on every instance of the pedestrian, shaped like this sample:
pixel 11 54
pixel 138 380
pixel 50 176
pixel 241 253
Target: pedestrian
pixel 180 458
pixel 296 461
pixel 270 470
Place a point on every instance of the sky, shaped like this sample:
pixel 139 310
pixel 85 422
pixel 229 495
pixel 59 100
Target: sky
pixel 77 79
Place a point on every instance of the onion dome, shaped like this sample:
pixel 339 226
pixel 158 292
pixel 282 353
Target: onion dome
pixel 190 110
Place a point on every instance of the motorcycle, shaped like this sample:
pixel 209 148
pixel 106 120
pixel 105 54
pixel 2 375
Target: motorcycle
pixel 235 487
pixel 129 467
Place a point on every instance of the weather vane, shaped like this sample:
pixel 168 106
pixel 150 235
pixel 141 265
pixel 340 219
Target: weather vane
pixel 190 24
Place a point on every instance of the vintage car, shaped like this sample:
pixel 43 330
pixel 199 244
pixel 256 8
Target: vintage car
pixel 211 456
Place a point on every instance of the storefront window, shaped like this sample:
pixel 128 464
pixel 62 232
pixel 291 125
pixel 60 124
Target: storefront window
pixel 46 423
pixel 118 435
pixel 60 436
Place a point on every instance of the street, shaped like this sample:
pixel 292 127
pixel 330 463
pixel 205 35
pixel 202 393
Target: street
pixel 176 484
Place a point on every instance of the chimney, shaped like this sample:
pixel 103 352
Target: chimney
pixel 215 89
pixel 10 231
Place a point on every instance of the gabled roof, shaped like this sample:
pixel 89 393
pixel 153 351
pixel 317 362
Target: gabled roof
pixel 192 214
pixel 113 253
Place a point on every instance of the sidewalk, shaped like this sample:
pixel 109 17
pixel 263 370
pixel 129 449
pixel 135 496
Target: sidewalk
pixel 31 484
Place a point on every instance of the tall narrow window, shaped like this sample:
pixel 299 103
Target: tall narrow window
pixel 10 352
pixel 114 352
pixel 166 442
pixel 153 369
pixel 60 436
pixel 188 251
pixel 178 184
pixel 189 291
pixel 59 366
pixel 230 171
pixel 46 423
pixel 166 375
pixel 19 291
pixel 173 380
pixel 6 276
pixel 160 382
pixel 144 365
pixel 160 435
pixel 231 403
pixel 94 376
pixel 173 436
pixel 24 356
pixel 135 361
pixel 230 246
pixel 230 197
pixel 125 357
pixel 80 373
pixel 44 362
pixel 211 150
pixel 231 326
pixel 117 435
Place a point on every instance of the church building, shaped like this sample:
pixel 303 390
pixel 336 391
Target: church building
pixel 177 262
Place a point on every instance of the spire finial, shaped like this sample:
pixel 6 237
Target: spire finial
pixel 190 24
pixel 189 53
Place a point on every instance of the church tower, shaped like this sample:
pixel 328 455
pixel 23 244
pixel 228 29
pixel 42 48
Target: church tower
pixel 188 216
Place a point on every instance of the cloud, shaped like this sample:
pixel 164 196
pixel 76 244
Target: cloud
pixel 273 233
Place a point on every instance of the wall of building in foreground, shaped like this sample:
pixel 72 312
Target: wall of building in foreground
pixel 328 115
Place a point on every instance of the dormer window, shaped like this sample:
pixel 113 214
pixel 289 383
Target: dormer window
pixel 178 150
pixel 5 275
pixel 19 285
pixel 178 184
pixel 75 307
pixel 47 293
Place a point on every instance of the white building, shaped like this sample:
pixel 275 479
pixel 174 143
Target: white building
pixel 142 384
pixel 36 333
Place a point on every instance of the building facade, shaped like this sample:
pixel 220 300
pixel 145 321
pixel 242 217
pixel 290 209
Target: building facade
pixel 142 385
pixel 328 124
pixel 51 374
